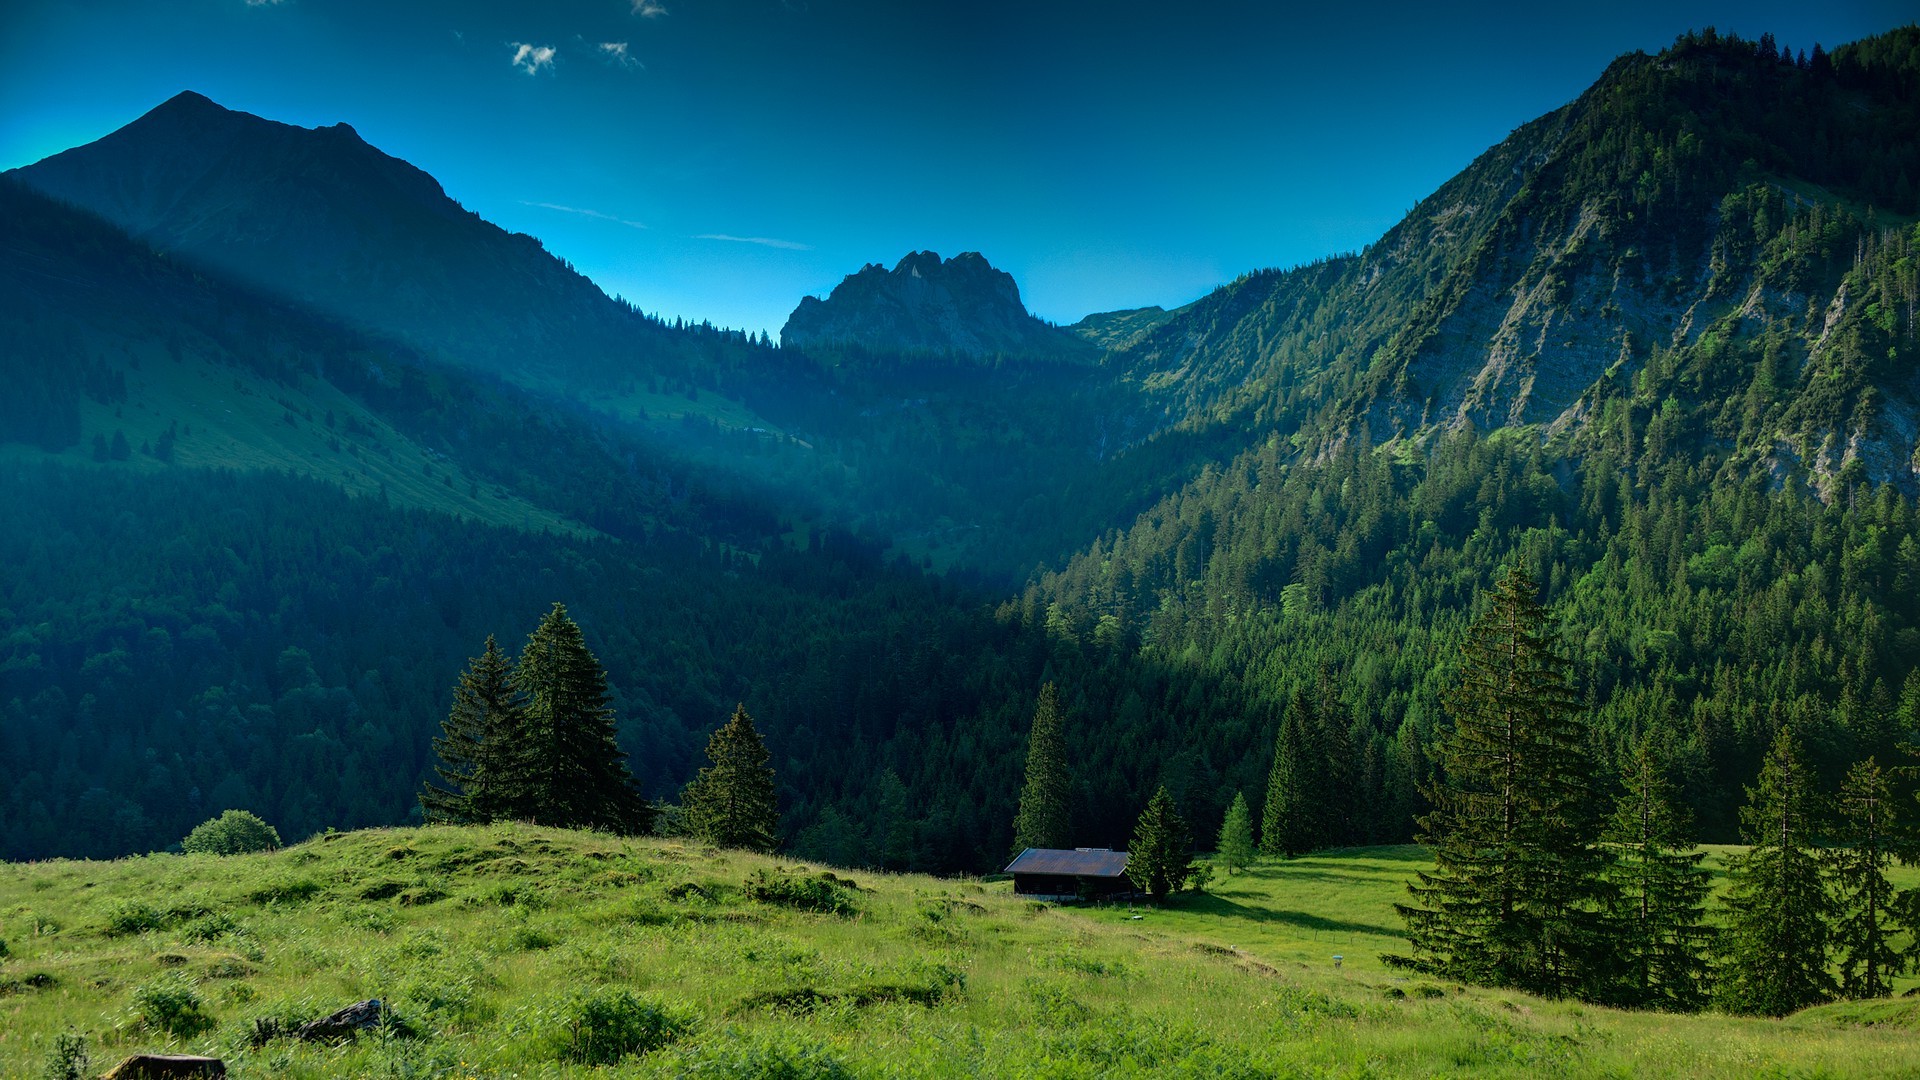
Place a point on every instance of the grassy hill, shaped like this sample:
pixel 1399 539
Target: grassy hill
pixel 507 948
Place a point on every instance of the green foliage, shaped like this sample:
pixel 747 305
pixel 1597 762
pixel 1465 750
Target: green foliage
pixel 68 1059
pixel 172 1007
pixel 1235 846
pixel 823 894
pixel 1661 939
pixel 234 832
pixel 1779 915
pixel 1042 821
pixel 1513 897
pixel 1160 860
pixel 731 802
pixel 614 1024
pixel 1868 913
pixel 480 745
pixel 574 772
pixel 1296 788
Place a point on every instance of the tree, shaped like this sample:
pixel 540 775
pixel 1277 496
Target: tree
pixel 1161 859
pixel 1290 820
pixel 1660 892
pixel 1042 818
pixel 1778 926
pixel 576 772
pixel 1236 835
pixel 731 802
pixel 1865 900
pixel 235 832
pixel 1338 777
pixel 1515 894
pixel 481 747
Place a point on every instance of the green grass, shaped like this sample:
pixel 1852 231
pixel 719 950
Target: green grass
pixel 518 951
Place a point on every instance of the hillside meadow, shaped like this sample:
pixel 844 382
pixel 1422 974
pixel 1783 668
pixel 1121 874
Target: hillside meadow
pixel 515 951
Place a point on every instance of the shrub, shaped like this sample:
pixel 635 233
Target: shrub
pixel 769 1056
pixel 208 928
pixel 69 1059
pixel 803 893
pixel 614 1024
pixel 172 1007
pixel 235 832
pixel 134 917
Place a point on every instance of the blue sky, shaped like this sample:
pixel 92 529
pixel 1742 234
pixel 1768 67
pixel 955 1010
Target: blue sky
pixel 718 159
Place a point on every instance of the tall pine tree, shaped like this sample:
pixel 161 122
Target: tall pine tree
pixel 731 803
pixel 577 773
pixel 1041 821
pixel 1869 918
pixel 1235 847
pixel 1516 892
pixel 1660 893
pixel 1290 822
pixel 1779 915
pixel 1161 858
pixel 479 742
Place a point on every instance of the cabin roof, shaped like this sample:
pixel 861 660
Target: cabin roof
pixel 1078 862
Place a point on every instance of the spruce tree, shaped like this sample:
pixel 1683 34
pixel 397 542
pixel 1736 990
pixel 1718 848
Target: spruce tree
pixel 1779 915
pixel 1515 895
pixel 1290 821
pixel 1867 908
pixel 1339 784
pixel 1161 859
pixel 1041 821
pixel 1660 893
pixel 577 772
pixel 1236 848
pixel 479 743
pixel 731 803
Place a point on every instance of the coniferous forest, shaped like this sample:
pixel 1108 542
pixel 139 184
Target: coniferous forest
pixel 1570 526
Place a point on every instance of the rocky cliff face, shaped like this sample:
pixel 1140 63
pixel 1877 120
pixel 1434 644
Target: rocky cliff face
pixel 962 305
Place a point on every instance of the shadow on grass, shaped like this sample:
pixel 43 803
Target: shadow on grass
pixel 1221 907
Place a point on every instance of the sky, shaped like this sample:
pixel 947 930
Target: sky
pixel 718 159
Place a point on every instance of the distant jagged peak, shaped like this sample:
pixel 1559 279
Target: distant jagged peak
pixel 926 304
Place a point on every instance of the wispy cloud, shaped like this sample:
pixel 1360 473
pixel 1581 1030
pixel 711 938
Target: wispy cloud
pixel 763 241
pixel 649 9
pixel 615 53
pixel 595 214
pixel 265 3
pixel 531 58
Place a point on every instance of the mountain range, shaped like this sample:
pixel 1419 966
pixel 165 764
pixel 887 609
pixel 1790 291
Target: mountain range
pixel 1657 345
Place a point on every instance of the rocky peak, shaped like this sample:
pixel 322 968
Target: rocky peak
pixel 925 304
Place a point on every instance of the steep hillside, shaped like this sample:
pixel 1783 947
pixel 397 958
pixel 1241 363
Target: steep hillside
pixel 319 217
pixel 923 305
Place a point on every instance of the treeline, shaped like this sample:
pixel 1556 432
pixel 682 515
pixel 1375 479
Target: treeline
pixel 1535 887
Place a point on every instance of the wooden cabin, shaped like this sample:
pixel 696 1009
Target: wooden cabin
pixel 1059 874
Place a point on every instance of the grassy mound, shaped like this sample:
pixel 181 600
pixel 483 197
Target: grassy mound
pixel 518 951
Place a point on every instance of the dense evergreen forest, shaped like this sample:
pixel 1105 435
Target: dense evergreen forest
pixel 1299 493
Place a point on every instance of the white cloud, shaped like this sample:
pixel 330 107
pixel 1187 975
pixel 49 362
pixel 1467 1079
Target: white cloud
pixel 615 52
pixel 265 3
pixel 595 214
pixel 763 241
pixel 531 58
pixel 649 9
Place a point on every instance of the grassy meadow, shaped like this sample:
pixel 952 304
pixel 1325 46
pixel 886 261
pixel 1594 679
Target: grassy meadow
pixel 514 951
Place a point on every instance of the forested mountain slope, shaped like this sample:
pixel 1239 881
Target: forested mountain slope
pixel 1659 348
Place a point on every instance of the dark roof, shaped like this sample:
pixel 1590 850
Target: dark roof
pixel 1080 862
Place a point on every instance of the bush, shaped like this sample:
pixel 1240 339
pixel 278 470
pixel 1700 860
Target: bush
pixel 69 1059
pixel 614 1024
pixel 134 917
pixel 769 1056
pixel 235 832
pixel 172 1007
pixel 806 894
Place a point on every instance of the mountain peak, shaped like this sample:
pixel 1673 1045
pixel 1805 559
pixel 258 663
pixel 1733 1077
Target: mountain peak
pixel 924 304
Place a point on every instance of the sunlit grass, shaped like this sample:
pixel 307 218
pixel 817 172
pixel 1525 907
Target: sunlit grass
pixel 487 941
